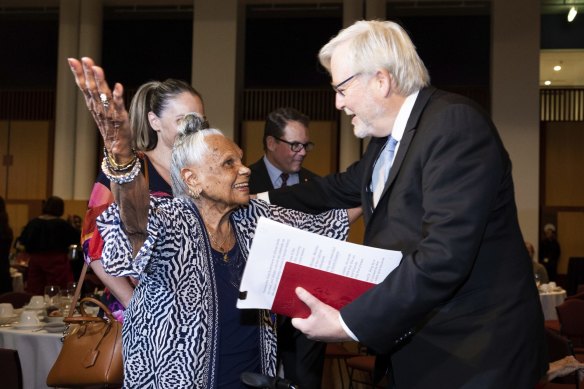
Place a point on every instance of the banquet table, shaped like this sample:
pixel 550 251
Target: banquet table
pixel 37 351
pixel 549 302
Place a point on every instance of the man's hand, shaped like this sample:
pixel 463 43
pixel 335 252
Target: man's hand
pixel 323 324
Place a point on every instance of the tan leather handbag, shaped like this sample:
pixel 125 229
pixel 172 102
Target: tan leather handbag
pixel 92 349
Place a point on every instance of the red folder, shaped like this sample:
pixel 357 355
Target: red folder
pixel 332 289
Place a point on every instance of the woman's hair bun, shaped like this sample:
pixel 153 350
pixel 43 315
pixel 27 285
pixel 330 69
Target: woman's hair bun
pixel 191 123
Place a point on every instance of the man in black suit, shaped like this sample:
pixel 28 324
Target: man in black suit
pixel 286 142
pixel 461 310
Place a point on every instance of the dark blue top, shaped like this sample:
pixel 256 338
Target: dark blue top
pixel 239 335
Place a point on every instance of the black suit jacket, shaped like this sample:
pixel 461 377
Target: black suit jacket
pixel 462 309
pixel 259 180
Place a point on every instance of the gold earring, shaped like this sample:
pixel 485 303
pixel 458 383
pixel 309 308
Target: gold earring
pixel 195 193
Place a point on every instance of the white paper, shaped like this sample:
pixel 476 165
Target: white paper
pixel 275 244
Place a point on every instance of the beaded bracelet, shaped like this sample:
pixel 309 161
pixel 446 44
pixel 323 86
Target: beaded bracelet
pixel 116 167
pixel 121 178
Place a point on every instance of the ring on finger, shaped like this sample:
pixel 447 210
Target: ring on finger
pixel 104 100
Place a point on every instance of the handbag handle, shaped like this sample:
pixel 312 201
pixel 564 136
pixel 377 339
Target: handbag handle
pixel 77 290
pixel 85 318
pixel 70 318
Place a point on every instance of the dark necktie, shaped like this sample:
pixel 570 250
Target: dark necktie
pixel 284 177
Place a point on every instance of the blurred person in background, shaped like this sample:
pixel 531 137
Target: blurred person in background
pixel 539 271
pixel 47 239
pixel 286 143
pixel 549 251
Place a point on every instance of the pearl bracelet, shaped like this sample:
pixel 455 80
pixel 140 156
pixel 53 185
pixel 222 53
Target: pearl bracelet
pixel 121 178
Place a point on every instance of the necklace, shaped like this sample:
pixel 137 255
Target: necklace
pixel 220 245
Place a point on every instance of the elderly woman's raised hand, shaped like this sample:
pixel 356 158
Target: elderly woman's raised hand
pixel 106 107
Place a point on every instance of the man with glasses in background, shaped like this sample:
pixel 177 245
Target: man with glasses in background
pixel 286 144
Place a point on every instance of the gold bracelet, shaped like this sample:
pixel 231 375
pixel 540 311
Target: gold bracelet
pixel 120 178
pixel 116 167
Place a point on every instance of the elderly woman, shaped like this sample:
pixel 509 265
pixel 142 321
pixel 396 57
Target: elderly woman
pixel 182 328
pixel 154 112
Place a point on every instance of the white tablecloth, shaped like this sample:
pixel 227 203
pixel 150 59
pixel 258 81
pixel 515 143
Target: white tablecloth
pixel 37 351
pixel 549 302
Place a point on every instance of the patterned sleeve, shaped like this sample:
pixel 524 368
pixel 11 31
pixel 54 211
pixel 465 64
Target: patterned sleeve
pixel 333 223
pixel 101 197
pixel 117 255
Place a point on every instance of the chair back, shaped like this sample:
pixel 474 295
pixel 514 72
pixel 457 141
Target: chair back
pixel 571 318
pixel 558 345
pixel 577 296
pixel 17 299
pixel 10 369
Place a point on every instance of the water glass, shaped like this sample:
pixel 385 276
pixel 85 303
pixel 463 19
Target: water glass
pixel 65 300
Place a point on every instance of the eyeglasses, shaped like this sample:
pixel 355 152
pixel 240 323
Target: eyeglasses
pixel 297 146
pixel 337 88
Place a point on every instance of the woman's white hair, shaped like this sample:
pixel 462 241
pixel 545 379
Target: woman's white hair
pixel 374 44
pixel 189 149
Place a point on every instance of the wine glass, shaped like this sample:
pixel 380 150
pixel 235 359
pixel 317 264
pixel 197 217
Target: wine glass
pixel 52 295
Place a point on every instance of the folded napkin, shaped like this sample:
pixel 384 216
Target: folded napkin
pixel 565 366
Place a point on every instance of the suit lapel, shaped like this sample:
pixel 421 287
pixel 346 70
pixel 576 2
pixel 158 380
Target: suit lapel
pixel 408 136
pixel 261 178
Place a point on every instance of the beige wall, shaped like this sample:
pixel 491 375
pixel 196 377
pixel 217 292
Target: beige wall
pixel 515 36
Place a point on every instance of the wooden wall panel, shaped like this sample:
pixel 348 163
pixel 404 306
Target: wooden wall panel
pixel 4 156
pixel 251 141
pixel 564 158
pixel 29 144
pixel 570 233
pixel 18 216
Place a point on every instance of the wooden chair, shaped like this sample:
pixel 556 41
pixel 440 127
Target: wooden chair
pixel 10 369
pixel 337 352
pixel 571 318
pixel 558 348
pixel 361 371
pixel 360 366
pixel 577 296
pixel 17 299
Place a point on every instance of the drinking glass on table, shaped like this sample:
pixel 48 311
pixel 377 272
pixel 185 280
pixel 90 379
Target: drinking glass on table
pixel 52 295
pixel 65 300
